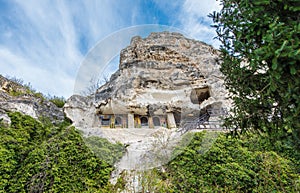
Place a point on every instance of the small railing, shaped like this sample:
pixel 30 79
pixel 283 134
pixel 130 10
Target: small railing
pixel 202 122
pixel 217 112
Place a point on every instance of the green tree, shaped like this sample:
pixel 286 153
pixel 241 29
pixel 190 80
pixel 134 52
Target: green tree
pixel 245 164
pixel 37 156
pixel 260 59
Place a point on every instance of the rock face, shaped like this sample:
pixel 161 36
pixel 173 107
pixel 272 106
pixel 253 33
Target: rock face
pixel 82 111
pixel 15 97
pixel 162 81
pixel 164 74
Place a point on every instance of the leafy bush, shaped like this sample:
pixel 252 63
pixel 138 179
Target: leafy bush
pixel 15 93
pixel 43 158
pixel 232 165
pixel 58 101
pixel 104 149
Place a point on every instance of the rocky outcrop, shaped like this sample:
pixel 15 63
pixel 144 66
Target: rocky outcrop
pixel 162 73
pixel 164 79
pixel 82 111
pixel 15 97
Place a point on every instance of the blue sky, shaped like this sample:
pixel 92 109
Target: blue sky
pixel 45 42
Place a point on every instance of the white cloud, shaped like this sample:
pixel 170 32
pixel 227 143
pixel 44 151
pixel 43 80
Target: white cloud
pixel 195 21
pixel 44 42
pixel 196 8
pixel 192 17
pixel 46 48
pixel 40 78
pixel 43 48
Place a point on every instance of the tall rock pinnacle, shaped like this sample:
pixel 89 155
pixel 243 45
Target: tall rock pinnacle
pixel 161 80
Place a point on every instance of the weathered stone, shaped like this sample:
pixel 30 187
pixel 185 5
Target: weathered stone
pixel 4 118
pixel 171 120
pixel 15 97
pixel 81 110
pixel 164 71
pixel 130 120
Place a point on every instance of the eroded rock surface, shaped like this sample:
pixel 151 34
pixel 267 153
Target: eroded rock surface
pixel 15 97
pixel 162 73
pixel 164 76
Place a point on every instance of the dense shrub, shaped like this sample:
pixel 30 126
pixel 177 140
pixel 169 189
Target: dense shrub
pixel 36 157
pixel 104 149
pixel 233 165
pixel 58 101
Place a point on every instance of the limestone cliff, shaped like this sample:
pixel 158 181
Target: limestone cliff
pixel 16 97
pixel 163 73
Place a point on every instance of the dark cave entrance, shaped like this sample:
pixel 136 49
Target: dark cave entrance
pixel 198 95
pixel 144 122
pixel 118 121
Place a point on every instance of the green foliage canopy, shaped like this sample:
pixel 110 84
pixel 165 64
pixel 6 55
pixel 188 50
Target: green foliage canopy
pixel 39 157
pixel 248 164
pixel 260 59
pixel 105 150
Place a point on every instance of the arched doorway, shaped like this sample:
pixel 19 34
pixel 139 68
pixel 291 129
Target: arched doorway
pixel 144 122
pixel 105 121
pixel 156 121
pixel 118 121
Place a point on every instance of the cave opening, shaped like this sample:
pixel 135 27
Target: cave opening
pixel 198 95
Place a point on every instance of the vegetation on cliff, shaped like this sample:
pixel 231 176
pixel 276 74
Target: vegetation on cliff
pixel 16 87
pixel 248 164
pixel 225 164
pixel 260 59
pixel 39 157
